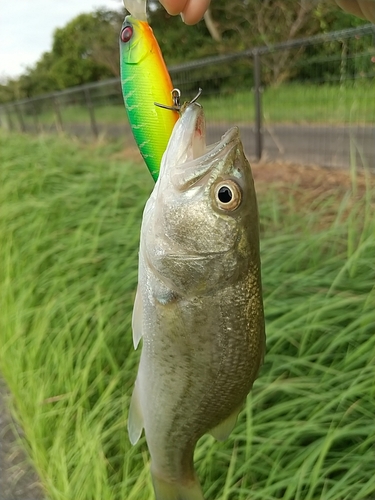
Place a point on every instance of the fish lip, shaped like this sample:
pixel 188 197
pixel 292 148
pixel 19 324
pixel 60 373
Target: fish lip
pixel 213 150
pixel 188 173
pixel 227 141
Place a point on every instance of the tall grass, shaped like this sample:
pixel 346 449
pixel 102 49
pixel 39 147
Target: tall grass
pixel 69 230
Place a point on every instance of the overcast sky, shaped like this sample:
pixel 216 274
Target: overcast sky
pixel 26 28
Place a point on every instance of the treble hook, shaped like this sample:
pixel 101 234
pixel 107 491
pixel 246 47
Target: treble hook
pixel 197 96
pixel 176 95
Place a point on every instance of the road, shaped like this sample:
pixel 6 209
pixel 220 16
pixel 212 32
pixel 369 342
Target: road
pixel 309 144
pixel 17 481
pixel 324 145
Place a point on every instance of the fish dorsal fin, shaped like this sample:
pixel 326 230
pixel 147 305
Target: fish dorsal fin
pixel 135 418
pixel 221 432
pixel 137 319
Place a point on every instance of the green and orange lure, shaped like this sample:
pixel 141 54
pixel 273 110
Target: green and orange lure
pixel 145 80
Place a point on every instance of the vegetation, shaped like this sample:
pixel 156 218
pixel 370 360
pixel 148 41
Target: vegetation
pixel 296 103
pixel 86 49
pixel 69 230
pixel 287 103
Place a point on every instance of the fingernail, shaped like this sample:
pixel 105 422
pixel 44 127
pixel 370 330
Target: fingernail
pixel 182 17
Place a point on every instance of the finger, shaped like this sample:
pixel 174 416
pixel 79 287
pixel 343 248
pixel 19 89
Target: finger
pixel 174 7
pixel 368 9
pixel 350 6
pixel 194 11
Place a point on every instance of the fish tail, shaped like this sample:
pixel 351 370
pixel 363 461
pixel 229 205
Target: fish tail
pixel 165 490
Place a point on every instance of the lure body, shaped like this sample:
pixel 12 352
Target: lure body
pixel 145 80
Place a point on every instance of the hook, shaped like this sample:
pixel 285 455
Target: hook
pixel 176 95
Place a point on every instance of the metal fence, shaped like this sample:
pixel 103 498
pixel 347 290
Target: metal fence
pixel 309 100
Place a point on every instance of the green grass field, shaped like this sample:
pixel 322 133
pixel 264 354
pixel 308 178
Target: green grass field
pixel 69 231
pixel 288 103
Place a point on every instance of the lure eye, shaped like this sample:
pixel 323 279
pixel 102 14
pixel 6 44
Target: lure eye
pixel 126 34
pixel 228 195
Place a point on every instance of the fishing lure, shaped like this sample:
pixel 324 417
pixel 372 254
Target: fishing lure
pixel 145 80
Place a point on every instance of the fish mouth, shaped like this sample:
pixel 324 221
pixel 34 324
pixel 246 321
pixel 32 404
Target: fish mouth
pixel 187 158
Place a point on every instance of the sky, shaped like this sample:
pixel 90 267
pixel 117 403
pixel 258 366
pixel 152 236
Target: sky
pixel 27 26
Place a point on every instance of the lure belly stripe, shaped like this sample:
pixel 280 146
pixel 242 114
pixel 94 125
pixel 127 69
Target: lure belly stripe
pixel 145 80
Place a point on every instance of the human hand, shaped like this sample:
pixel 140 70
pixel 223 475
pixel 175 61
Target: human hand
pixel 191 11
pixel 360 8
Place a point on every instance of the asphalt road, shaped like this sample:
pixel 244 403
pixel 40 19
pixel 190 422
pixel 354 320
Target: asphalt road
pixel 310 144
pixel 17 480
pixel 327 146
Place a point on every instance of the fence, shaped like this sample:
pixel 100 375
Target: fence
pixel 320 111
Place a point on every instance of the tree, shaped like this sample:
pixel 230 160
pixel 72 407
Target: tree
pixel 86 49
pixel 179 42
pixel 236 25
pixel 244 24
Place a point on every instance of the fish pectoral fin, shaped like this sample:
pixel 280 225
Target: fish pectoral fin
pixel 137 319
pixel 135 418
pixel 175 491
pixel 221 432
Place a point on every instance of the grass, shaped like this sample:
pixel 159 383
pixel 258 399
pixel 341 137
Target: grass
pixel 288 103
pixel 297 103
pixel 69 230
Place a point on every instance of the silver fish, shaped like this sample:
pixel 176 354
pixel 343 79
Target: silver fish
pixel 199 303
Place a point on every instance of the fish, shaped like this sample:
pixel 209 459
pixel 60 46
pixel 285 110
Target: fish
pixel 198 305
pixel 144 81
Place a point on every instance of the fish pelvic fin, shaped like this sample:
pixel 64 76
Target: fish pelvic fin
pixel 135 418
pixel 137 319
pixel 165 490
pixel 221 432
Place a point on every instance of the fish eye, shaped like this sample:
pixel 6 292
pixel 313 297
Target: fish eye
pixel 126 34
pixel 228 195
